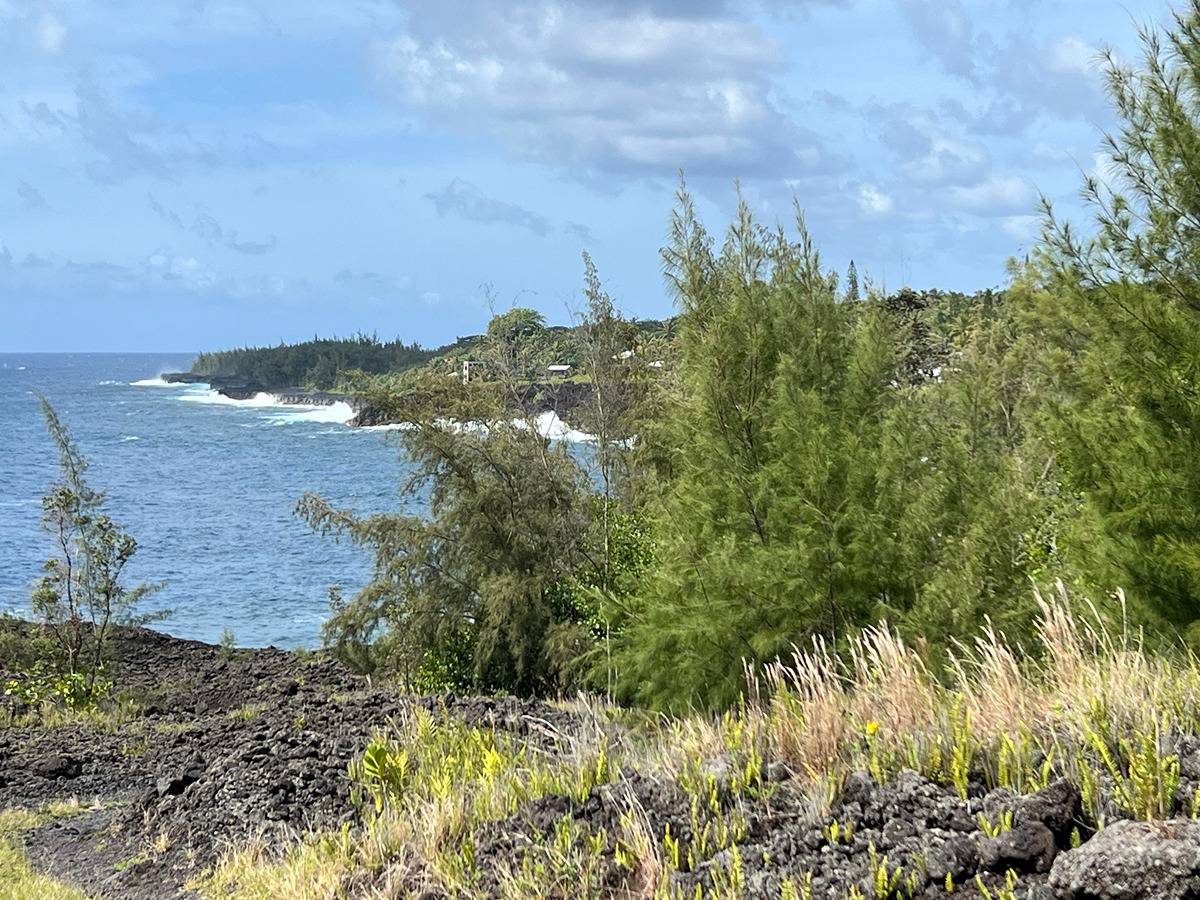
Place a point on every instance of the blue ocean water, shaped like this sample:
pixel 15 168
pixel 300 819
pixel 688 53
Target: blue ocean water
pixel 207 486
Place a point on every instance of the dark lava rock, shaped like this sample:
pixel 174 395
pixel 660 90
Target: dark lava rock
pixel 56 766
pixel 176 783
pixel 956 856
pixel 1028 847
pixel 1058 806
pixel 1133 861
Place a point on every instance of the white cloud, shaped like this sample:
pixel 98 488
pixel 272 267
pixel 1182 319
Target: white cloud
pixel 185 269
pixel 994 196
pixel 51 34
pixel 948 160
pixel 1023 228
pixel 873 201
pixel 1072 55
pixel 597 85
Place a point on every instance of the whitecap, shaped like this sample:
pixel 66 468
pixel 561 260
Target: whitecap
pixel 205 394
pixel 109 383
pixel 150 382
pixel 339 413
pixel 551 426
pixel 391 426
pixel 129 437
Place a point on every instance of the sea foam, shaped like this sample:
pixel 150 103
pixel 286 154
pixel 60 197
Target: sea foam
pixel 551 426
pixel 339 413
pixel 206 395
pixel 149 382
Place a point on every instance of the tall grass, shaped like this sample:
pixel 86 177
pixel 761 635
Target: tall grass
pixel 1088 704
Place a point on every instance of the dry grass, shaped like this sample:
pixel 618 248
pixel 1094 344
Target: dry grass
pixel 1090 705
pixel 18 879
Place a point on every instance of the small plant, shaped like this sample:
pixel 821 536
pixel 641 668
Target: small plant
pixel 73 690
pixel 247 713
pixel 1146 778
pixel 1007 892
pixel 961 746
pixel 889 882
pixel 881 761
pixel 228 644
pixel 836 833
pixel 791 890
pixel 1001 825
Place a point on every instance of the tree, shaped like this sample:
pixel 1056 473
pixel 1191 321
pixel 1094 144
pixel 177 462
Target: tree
pixel 82 596
pixel 852 293
pixel 769 522
pixel 1118 318
pixel 477 593
pixel 515 324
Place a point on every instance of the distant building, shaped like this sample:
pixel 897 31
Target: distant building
pixel 562 370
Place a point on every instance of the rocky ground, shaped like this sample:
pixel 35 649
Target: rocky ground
pixel 228 745
pixel 233 744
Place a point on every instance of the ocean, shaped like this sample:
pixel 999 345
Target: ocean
pixel 206 485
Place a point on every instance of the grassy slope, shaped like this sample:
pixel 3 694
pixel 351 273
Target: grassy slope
pixel 1093 708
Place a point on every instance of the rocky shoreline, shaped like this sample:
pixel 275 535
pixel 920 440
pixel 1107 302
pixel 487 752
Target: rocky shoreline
pixel 560 398
pixel 228 745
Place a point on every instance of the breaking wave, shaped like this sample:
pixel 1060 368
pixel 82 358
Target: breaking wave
pixel 149 382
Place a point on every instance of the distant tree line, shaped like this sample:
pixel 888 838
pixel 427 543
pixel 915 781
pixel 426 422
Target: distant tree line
pixel 316 364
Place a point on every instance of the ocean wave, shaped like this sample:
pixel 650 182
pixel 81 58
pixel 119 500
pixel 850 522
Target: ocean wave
pixel 547 424
pixel 339 413
pixel 551 426
pixel 205 394
pixel 149 382
pixel 392 426
pixel 129 437
pixel 109 383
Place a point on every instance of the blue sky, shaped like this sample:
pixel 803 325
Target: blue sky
pixel 192 174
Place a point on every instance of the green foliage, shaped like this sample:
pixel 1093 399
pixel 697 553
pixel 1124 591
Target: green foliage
pixel 809 459
pixel 1117 323
pixel 511 585
pixel 72 690
pixel 816 474
pixel 319 363
pixel 521 570
pixel 1144 776
pixel 518 323
pixel 476 581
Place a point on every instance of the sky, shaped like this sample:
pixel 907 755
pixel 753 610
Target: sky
pixel 194 174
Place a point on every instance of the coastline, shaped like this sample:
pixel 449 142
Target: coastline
pixel 542 398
